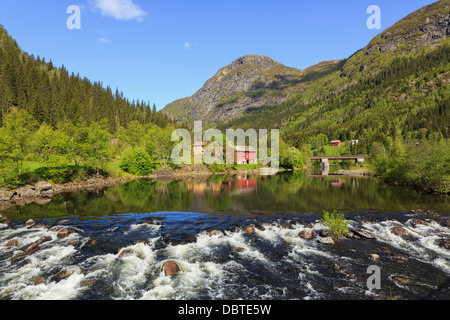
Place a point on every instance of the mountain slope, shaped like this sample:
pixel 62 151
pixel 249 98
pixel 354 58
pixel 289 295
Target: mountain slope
pixel 252 101
pixel 398 83
pixel 249 82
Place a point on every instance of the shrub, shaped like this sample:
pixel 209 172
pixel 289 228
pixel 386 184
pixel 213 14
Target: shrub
pixel 137 162
pixel 335 223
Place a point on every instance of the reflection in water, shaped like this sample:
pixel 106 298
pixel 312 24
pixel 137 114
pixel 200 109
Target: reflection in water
pixel 122 237
pixel 241 195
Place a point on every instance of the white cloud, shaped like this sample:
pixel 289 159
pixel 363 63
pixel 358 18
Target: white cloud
pixel 120 9
pixel 103 40
pixel 189 46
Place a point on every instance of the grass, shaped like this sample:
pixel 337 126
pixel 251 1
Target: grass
pixel 33 165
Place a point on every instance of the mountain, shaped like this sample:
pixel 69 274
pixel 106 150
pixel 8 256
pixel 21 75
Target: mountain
pixel 403 73
pixel 249 82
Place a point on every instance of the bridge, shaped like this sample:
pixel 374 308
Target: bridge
pixel 358 159
pixel 325 164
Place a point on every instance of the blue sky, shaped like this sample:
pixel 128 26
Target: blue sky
pixel 163 50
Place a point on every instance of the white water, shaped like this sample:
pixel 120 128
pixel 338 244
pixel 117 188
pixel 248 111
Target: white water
pixel 139 274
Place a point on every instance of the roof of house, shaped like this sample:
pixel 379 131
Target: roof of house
pixel 200 144
pixel 244 149
pixel 336 141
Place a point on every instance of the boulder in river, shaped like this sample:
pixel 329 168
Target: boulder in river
pixel 12 243
pixel 30 222
pixel 327 240
pixel 239 250
pixel 443 243
pixel 399 231
pixel 215 233
pixel 250 229
pixel 171 268
pixel 307 234
pixel 416 222
pixel 64 233
pixel 363 233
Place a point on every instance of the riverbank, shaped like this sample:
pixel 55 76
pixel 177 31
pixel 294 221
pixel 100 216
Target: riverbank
pixel 43 192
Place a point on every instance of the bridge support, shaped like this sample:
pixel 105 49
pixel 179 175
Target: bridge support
pixel 360 161
pixel 324 167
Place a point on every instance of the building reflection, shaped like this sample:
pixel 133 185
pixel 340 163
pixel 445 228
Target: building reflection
pixel 240 184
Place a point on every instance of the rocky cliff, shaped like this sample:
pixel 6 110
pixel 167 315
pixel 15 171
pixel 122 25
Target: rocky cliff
pixel 249 82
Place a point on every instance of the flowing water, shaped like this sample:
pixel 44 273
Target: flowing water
pixel 122 237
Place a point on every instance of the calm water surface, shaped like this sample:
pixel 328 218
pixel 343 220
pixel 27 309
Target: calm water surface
pixel 125 234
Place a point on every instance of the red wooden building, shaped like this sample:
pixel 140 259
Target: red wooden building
pixel 336 143
pixel 245 155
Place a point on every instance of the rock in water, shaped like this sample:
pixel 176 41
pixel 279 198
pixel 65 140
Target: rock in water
pixel 327 240
pixel 363 234
pixel 250 229
pixel 443 243
pixel 171 268
pixel 307 234
pixel 399 231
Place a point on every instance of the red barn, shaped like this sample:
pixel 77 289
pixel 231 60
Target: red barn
pixel 336 143
pixel 245 155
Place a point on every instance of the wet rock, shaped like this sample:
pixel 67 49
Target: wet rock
pixel 64 275
pixel 443 243
pixel 216 233
pixel 75 243
pixel 90 243
pixel 38 281
pixel 285 226
pixel 309 226
pixel 37 226
pixel 43 239
pixel 17 255
pixel 171 268
pixel 89 283
pixel 12 243
pixel 125 253
pixel 363 233
pixel 250 229
pixel 401 281
pixel 239 250
pixel 307 234
pixel 416 222
pixel 351 235
pixel 32 249
pixel 64 233
pixel 261 228
pixel 399 231
pixel 327 240
pixel 325 233
pixel 30 223
pixel 374 257
pixel 24 263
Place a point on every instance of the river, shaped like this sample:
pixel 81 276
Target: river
pixel 121 238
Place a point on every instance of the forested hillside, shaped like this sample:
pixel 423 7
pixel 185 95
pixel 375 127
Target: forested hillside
pixel 52 95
